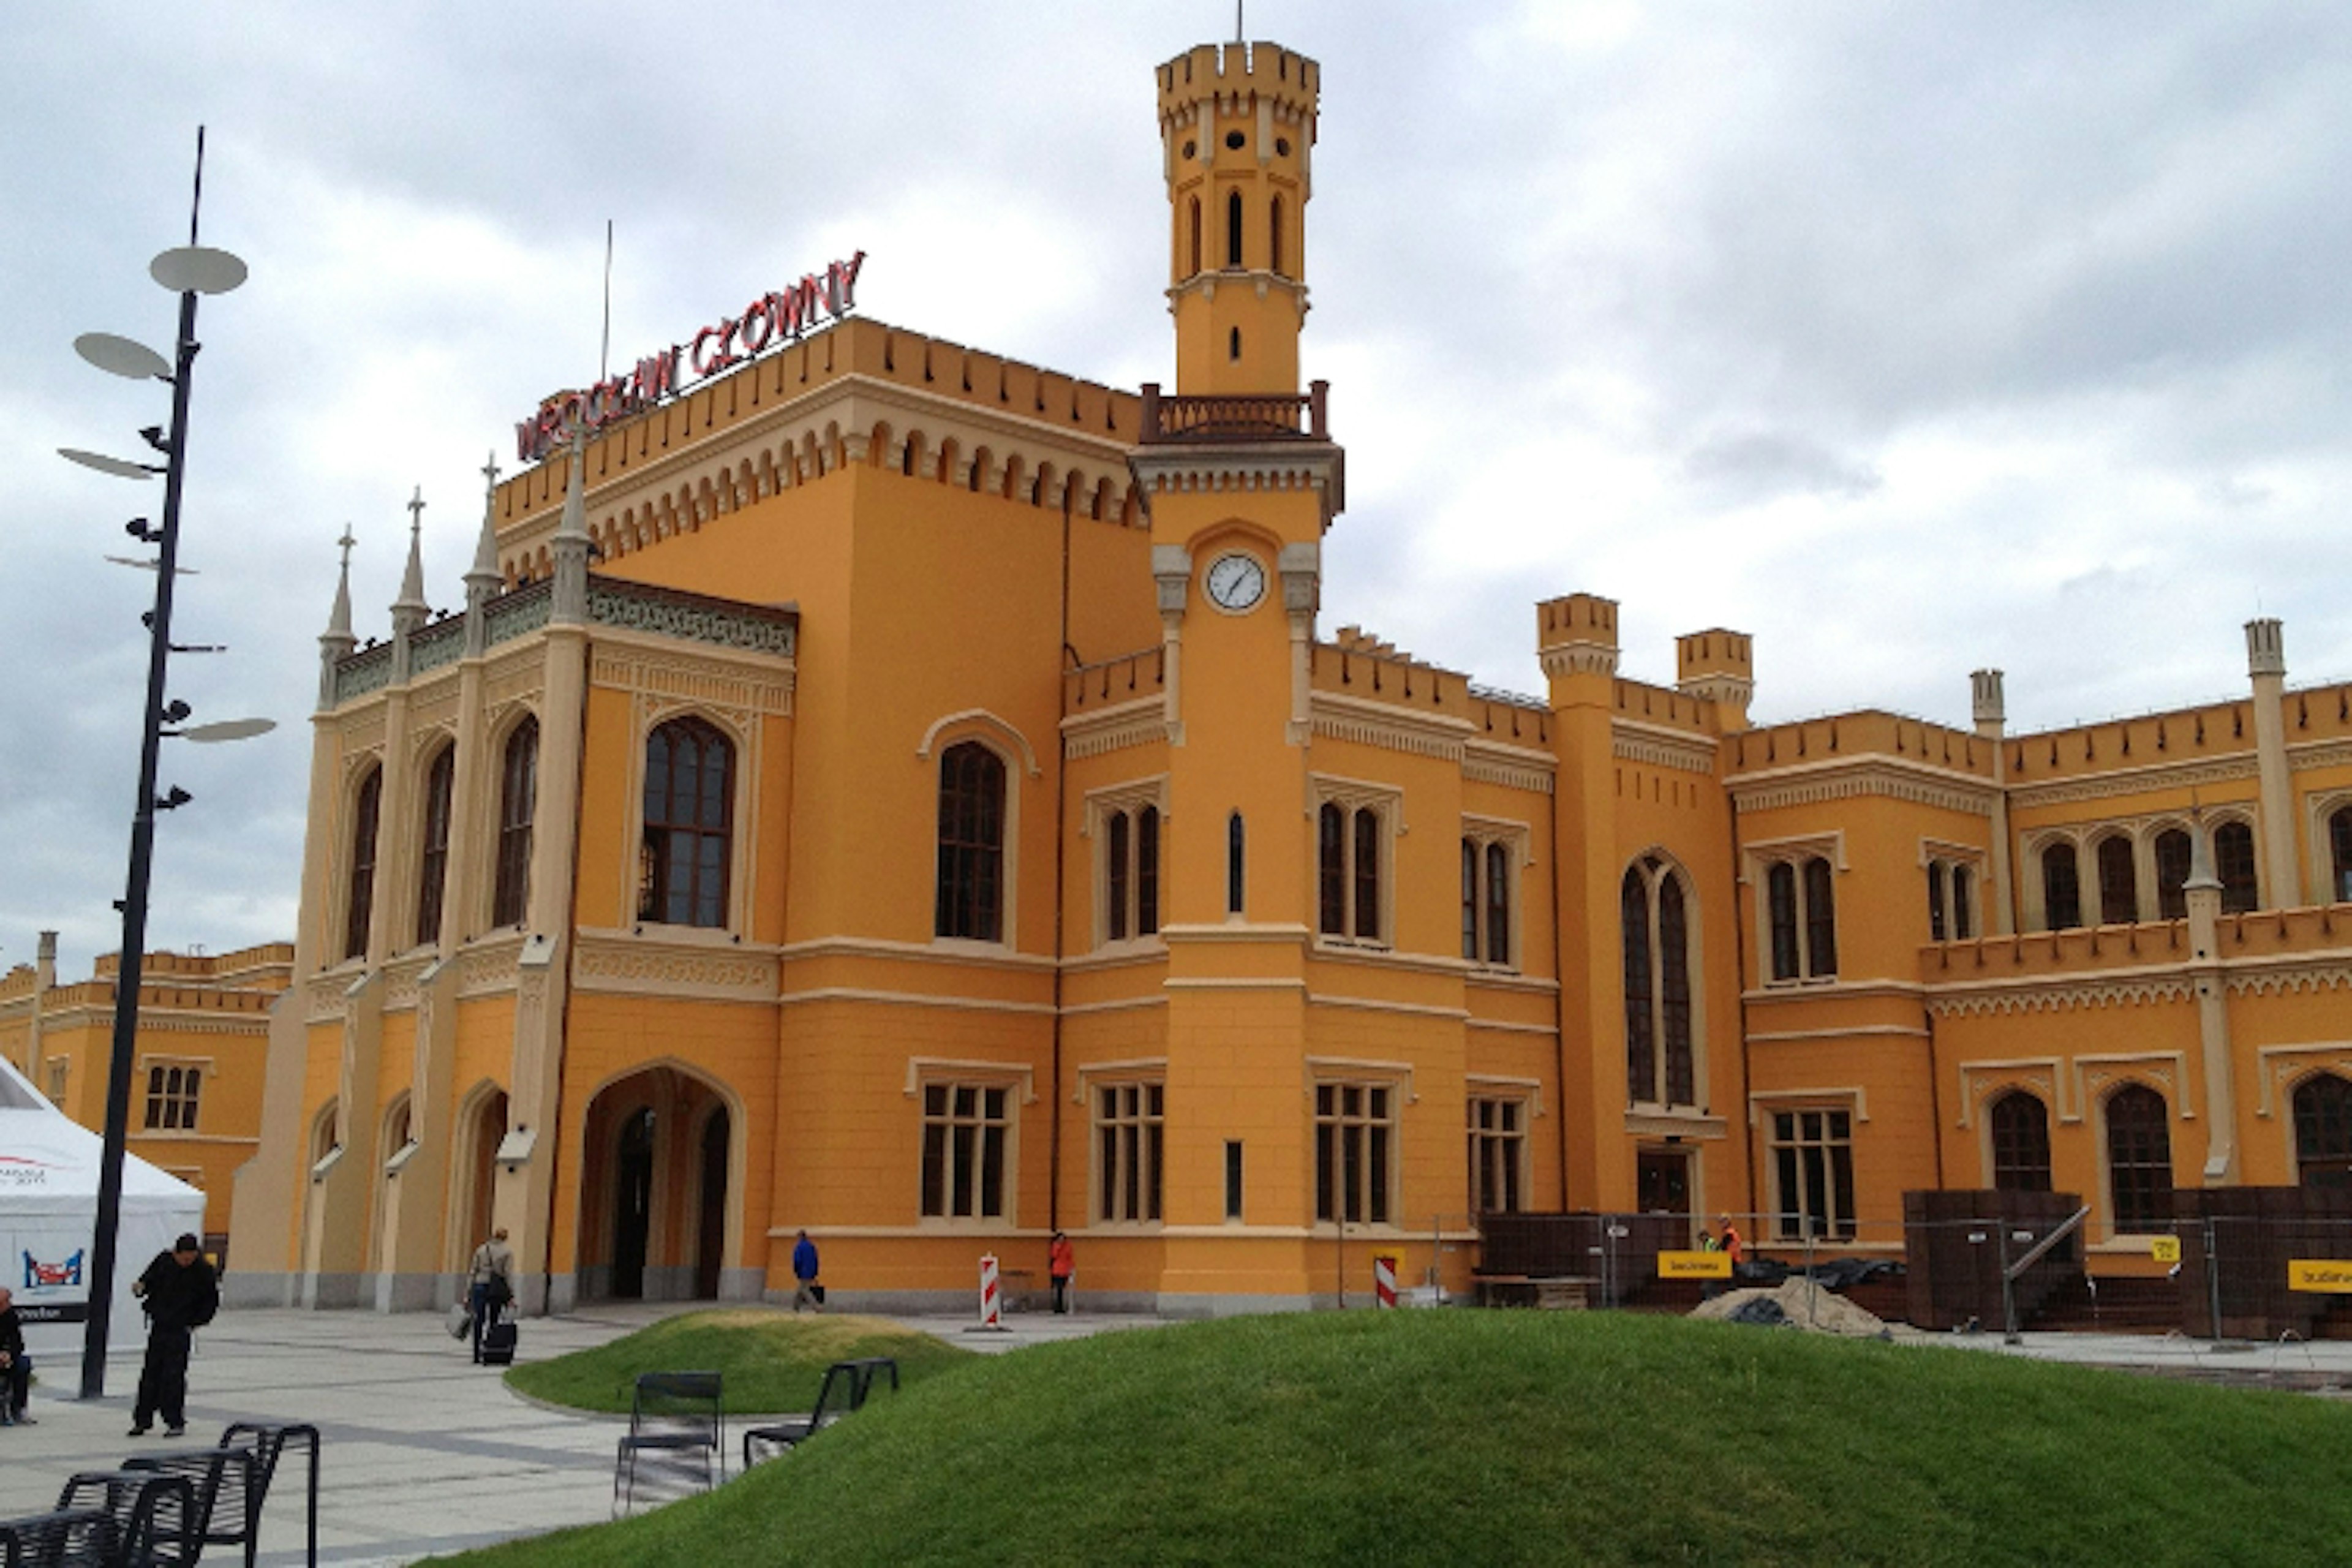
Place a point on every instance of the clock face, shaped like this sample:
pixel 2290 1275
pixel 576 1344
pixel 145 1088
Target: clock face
pixel 1235 582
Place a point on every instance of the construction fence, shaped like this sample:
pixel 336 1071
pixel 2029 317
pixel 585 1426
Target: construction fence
pixel 2236 1263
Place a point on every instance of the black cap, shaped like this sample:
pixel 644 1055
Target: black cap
pixel 187 1243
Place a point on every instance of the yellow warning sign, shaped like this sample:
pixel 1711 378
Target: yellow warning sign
pixel 1694 1266
pixel 2164 1248
pixel 2332 1276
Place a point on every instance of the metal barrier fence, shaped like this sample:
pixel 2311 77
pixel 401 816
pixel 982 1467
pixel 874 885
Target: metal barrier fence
pixel 2239 1263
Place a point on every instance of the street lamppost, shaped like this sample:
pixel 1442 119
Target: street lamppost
pixel 187 272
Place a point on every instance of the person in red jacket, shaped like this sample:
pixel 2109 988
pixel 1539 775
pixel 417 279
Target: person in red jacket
pixel 1061 1263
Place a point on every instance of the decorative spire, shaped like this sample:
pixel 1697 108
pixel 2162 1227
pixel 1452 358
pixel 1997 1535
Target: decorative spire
pixel 483 579
pixel 337 640
pixel 571 544
pixel 410 610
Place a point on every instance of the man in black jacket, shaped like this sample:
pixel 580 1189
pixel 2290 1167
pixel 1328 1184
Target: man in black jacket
pixel 16 1371
pixel 181 1296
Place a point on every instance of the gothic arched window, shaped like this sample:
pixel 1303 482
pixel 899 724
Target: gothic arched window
pixel 2139 1159
pixel 2233 862
pixel 2020 1143
pixel 2118 882
pixel 2061 887
pixel 970 902
pixel 2172 856
pixel 1661 1046
pixel 361 906
pixel 433 859
pixel 2339 840
pixel 2323 1133
pixel 517 804
pixel 682 865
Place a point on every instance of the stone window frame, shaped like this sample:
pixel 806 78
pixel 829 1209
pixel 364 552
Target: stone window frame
pixel 1515 1095
pixel 736 902
pixel 1798 1104
pixel 1101 805
pixel 1351 795
pixel 1694 981
pixel 182 1102
pixel 982 1079
pixel 1954 856
pixel 1148 1080
pixel 1516 840
pixel 1793 851
pixel 2106 1147
pixel 2142 830
pixel 1384 1143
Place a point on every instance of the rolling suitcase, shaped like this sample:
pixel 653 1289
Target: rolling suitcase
pixel 498 1342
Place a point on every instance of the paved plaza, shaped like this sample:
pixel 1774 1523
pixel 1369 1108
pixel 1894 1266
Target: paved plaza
pixel 426 1453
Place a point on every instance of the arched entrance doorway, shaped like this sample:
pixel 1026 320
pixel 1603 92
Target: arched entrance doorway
pixel 481 1128
pixel 659 1147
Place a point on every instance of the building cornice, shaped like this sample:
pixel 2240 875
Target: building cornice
pixel 2158 776
pixel 1896 778
pixel 1658 746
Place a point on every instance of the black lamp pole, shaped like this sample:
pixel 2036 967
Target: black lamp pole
pixel 142 847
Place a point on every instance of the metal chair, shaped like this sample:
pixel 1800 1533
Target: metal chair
pixel 268 1442
pixel 843 1391
pixel 868 1370
pixel 152 1513
pixel 677 1415
pixel 78 1538
pixel 224 1505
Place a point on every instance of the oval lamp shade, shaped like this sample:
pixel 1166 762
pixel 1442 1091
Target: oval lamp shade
pixel 106 465
pixel 197 270
pixel 125 357
pixel 229 730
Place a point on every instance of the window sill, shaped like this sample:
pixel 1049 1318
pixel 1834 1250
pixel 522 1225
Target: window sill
pixel 1802 983
pixel 929 1225
pixel 683 935
pixel 1326 942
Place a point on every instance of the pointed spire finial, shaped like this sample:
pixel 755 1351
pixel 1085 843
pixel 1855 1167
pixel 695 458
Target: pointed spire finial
pixel 410 610
pixel 339 619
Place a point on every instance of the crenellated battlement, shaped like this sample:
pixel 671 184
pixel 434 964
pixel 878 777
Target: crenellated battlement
pixel 1869 732
pixel 1237 76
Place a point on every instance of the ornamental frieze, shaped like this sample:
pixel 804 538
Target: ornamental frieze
pixel 645 968
pixel 690 617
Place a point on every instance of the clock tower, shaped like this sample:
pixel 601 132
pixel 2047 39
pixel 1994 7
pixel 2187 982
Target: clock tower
pixel 1241 479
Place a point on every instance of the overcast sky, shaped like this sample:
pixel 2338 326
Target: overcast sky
pixel 1907 338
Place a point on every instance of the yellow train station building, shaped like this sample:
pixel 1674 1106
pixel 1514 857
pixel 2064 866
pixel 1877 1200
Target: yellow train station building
pixel 197 1062
pixel 877 787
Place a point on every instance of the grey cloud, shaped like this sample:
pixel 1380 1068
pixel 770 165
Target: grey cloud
pixel 1761 465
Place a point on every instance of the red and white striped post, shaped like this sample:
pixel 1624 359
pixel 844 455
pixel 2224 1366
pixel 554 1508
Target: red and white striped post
pixel 992 1300
pixel 1384 1269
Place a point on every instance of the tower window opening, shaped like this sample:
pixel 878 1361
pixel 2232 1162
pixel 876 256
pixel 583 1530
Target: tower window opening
pixel 1232 229
pixel 1236 140
pixel 1273 237
pixel 1234 863
pixel 1233 345
pixel 1195 270
pixel 1282 146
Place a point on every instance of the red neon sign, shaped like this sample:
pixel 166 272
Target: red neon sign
pixel 769 321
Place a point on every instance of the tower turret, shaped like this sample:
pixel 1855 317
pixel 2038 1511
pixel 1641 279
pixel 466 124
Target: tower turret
pixel 337 640
pixel 1236 127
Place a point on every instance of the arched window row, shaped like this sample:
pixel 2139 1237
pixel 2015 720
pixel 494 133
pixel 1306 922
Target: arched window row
pixel 1128 837
pixel 1954 888
pixel 1353 838
pixel 439 817
pixel 1800 919
pixel 2124 875
pixel 1655 913
pixel 1491 858
pixel 683 856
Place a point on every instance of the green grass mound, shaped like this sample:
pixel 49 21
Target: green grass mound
pixel 1523 1437
pixel 772 1361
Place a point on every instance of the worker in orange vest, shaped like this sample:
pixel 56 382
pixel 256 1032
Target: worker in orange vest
pixel 1731 1243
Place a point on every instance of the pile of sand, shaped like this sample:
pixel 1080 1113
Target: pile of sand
pixel 1806 1305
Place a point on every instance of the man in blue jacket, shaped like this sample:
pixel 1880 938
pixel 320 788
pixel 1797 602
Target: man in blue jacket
pixel 807 1290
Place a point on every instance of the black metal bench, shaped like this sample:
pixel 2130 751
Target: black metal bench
pixel 675 1415
pixel 153 1513
pixel 73 1538
pixel 269 1441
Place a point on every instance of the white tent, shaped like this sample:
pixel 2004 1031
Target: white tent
pixel 48 1209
